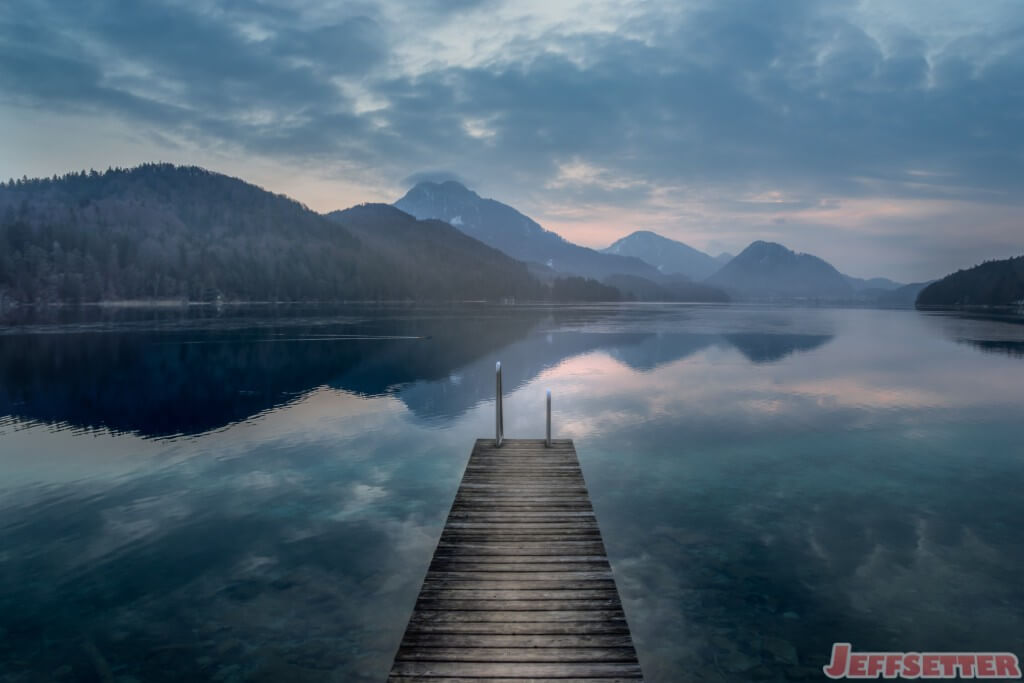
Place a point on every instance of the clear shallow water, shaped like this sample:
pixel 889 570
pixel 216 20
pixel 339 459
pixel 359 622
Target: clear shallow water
pixel 246 496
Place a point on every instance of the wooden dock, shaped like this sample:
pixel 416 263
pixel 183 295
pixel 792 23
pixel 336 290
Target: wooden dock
pixel 520 586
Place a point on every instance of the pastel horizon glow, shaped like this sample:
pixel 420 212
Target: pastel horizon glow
pixel 882 136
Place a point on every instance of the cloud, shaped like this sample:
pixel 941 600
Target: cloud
pixel 554 107
pixel 438 176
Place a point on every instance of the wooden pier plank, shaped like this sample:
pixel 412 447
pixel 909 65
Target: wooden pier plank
pixel 520 586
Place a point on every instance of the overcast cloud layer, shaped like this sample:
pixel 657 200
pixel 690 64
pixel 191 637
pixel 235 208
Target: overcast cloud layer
pixel 887 137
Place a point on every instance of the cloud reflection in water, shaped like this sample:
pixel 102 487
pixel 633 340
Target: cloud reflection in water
pixel 767 481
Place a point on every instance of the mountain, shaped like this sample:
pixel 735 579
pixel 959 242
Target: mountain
pixel 668 288
pixel 875 283
pixel 160 231
pixel 667 255
pixel 723 258
pixel 767 270
pixel 457 266
pixel 409 241
pixel 519 236
pixel 901 297
pixel 994 283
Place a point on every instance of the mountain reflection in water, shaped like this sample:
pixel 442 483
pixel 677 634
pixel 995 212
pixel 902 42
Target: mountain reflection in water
pixel 254 494
pixel 202 379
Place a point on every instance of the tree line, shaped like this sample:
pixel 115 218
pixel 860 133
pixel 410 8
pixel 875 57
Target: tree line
pixel 160 231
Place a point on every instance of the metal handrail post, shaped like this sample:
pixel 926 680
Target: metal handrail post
pixel 499 427
pixel 547 441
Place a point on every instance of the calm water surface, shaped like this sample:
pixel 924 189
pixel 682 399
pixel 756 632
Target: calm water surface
pixel 255 496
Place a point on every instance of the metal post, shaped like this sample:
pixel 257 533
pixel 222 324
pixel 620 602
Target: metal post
pixel 548 440
pixel 499 427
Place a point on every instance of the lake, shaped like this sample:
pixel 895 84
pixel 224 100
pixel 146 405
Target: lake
pixel 255 494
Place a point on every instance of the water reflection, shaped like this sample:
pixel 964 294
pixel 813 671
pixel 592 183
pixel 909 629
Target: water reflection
pixel 1010 348
pixel 284 565
pixel 199 379
pixel 768 481
pixel 995 332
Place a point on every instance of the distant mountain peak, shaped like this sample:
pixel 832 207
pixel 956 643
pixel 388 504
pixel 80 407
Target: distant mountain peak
pixel 162 219
pixel 503 227
pixel 374 209
pixel 445 187
pixel 665 254
pixel 765 247
pixel 769 269
pixel 454 185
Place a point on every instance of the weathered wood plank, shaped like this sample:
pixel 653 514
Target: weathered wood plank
pixel 434 583
pixel 572 526
pixel 531 534
pixel 519 496
pixel 529 670
pixel 536 487
pixel 452 604
pixel 521 501
pixel 552 532
pixel 500 516
pixel 563 517
pixel 509 497
pixel 546 462
pixel 558 535
pixel 534 679
pixel 561 533
pixel 418 652
pixel 499 510
pixel 540 515
pixel 487 444
pixel 556 456
pixel 530 628
pixel 540 505
pixel 518 594
pixel 537 533
pixel 516 478
pixel 522 526
pixel 540 471
pixel 536 567
pixel 537 578
pixel 467 640
pixel 519 586
pixel 530 525
pixel 513 480
pixel 567 483
pixel 516 616
pixel 514 473
pixel 467 555
pixel 523 548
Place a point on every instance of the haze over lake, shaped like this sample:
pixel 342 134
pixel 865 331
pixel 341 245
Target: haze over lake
pixel 255 493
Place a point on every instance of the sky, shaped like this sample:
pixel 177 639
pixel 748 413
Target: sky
pixel 886 136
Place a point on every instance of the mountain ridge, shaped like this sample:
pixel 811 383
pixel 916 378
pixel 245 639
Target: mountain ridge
pixel 505 228
pixel 666 254
pixel 160 231
pixel 766 270
pixel 992 283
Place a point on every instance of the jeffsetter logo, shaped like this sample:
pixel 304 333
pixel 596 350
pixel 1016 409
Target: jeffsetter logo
pixel 849 664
